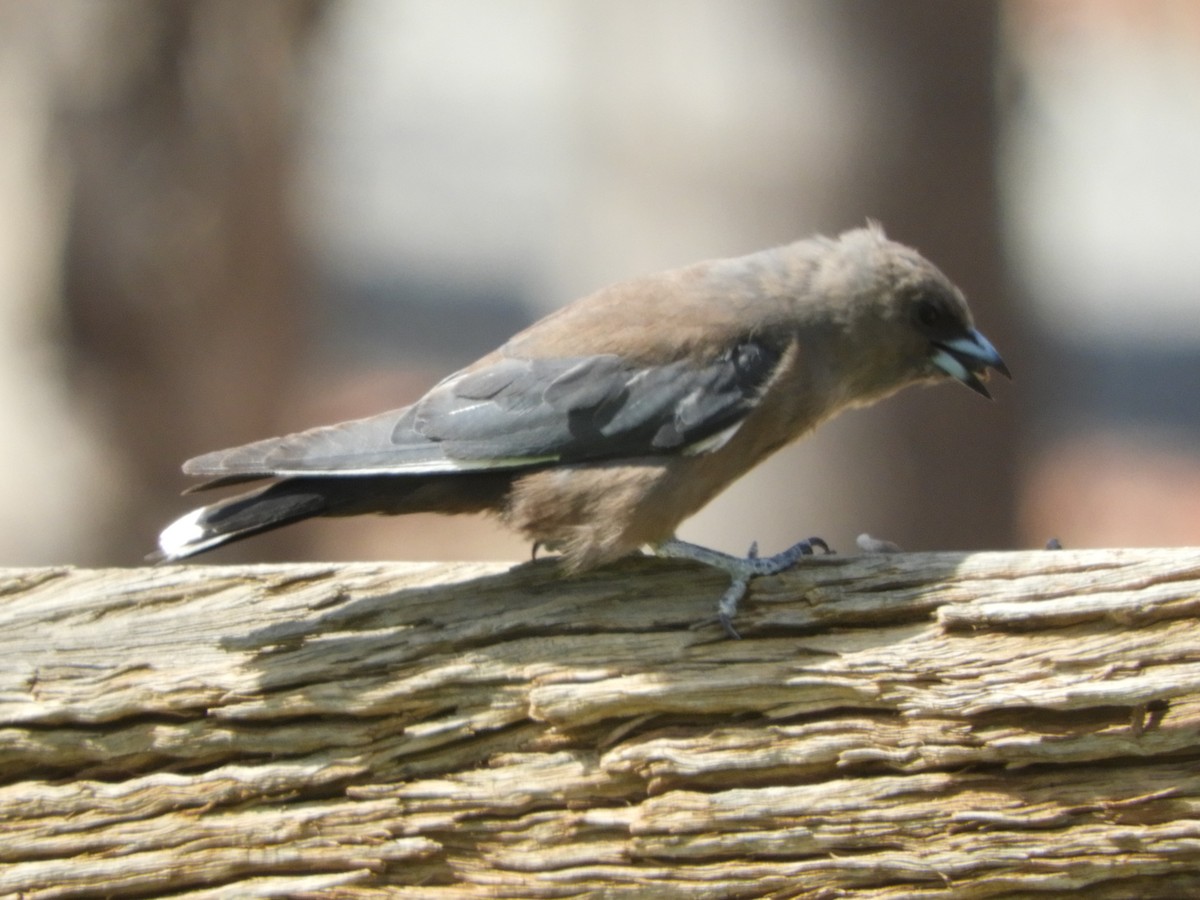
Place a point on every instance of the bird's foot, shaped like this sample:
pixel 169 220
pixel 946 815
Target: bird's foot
pixel 741 569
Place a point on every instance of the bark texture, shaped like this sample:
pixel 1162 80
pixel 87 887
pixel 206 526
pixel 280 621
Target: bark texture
pixel 942 725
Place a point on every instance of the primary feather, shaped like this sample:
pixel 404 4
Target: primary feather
pixel 515 413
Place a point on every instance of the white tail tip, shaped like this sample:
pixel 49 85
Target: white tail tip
pixel 186 536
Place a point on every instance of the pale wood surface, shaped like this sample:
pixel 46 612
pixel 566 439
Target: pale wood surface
pixel 942 725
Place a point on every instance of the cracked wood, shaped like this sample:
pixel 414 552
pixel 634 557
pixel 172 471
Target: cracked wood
pixel 941 725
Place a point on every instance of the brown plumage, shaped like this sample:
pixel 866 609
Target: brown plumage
pixel 600 428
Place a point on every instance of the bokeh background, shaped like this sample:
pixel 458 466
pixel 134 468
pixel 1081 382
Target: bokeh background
pixel 222 220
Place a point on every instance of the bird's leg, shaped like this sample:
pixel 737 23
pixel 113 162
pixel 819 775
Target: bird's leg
pixel 740 568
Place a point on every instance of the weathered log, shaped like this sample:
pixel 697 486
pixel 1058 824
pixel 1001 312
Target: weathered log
pixel 912 725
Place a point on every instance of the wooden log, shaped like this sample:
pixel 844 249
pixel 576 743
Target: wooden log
pixel 909 725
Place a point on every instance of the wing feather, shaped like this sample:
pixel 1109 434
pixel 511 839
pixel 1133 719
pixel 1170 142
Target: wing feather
pixel 517 412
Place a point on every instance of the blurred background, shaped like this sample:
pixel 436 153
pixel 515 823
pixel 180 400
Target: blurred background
pixel 221 221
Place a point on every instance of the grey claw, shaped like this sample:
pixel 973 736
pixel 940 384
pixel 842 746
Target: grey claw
pixel 727 624
pixel 740 569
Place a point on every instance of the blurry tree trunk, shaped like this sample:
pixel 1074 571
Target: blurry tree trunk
pixel 176 120
pixel 935 185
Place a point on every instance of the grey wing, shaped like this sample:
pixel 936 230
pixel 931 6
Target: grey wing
pixel 518 413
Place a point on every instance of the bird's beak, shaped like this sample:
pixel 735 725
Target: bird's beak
pixel 968 357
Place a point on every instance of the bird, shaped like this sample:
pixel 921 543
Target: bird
pixel 600 428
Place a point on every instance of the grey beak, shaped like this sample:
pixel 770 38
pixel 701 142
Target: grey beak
pixel 968 357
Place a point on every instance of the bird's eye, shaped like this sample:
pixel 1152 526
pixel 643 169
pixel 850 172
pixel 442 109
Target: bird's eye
pixel 929 314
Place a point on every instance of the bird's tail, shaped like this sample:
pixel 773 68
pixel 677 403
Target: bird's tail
pixel 240 517
pixel 292 499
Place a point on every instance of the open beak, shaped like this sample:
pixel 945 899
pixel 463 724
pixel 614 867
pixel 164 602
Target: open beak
pixel 968 359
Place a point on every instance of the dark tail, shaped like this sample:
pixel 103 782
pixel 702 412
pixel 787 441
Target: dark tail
pixel 240 517
pixel 294 499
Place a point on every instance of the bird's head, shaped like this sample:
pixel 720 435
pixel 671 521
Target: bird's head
pixel 905 321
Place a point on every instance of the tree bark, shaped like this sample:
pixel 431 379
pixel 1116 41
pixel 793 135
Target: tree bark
pixel 910 725
pixel 182 281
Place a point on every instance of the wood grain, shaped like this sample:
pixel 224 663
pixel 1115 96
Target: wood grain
pixel 909 725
